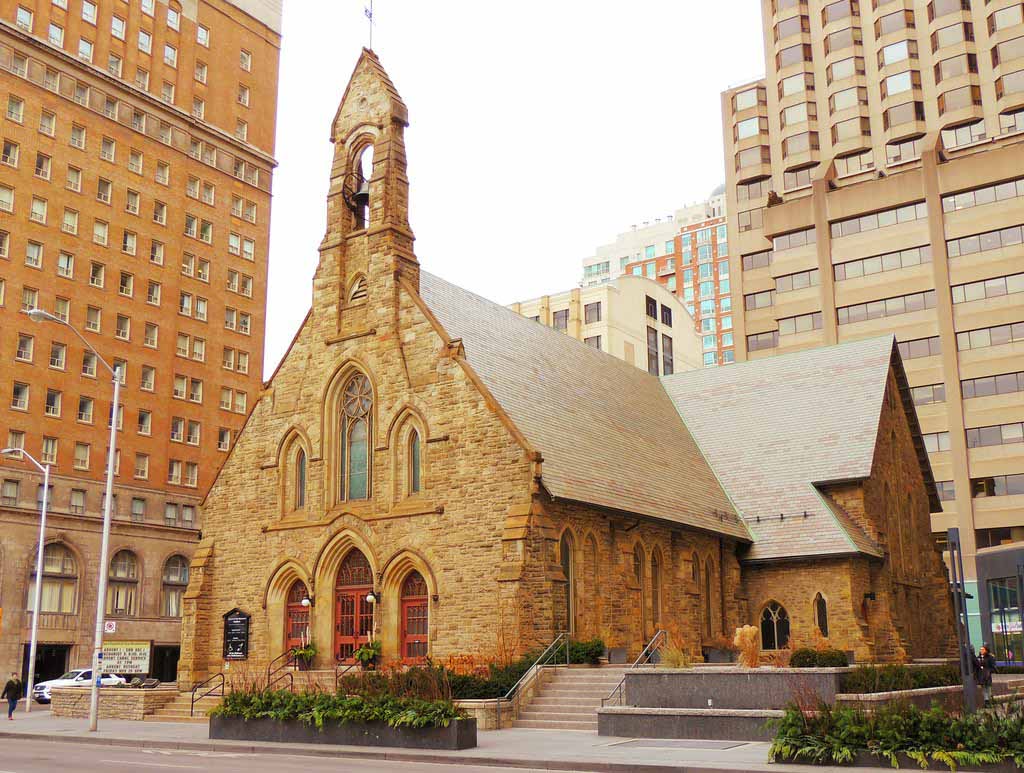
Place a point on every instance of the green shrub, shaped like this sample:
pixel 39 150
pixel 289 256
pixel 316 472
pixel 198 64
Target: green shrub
pixel 868 679
pixel 835 735
pixel 811 658
pixel 831 659
pixel 803 658
pixel 321 708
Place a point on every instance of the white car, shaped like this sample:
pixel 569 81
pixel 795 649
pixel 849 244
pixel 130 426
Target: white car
pixel 80 677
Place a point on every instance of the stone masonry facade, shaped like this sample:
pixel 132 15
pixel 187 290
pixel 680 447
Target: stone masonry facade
pixel 469 512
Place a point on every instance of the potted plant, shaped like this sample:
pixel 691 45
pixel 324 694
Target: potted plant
pixel 368 655
pixel 303 656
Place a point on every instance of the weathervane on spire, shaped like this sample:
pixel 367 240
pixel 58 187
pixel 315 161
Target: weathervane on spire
pixel 368 10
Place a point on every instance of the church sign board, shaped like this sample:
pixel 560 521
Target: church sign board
pixel 236 635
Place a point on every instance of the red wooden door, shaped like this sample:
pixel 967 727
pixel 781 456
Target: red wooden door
pixel 415 612
pixel 296 627
pixel 353 614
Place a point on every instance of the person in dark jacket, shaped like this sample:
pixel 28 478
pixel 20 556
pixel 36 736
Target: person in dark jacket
pixel 12 692
pixel 984 667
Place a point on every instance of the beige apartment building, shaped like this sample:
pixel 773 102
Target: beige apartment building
pixel 135 177
pixel 633 318
pixel 875 183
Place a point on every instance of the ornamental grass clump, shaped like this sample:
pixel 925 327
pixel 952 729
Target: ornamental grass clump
pixel 830 735
pixel 748 642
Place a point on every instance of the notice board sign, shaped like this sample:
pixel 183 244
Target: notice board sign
pixel 126 657
pixel 236 635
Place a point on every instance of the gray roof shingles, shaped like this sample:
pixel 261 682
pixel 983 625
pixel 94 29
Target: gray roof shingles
pixel 607 431
pixel 773 427
pixel 764 432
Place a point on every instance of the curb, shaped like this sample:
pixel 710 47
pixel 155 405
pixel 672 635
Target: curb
pixel 581 766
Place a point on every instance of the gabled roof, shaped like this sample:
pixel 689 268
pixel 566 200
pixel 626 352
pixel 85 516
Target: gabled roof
pixel 607 431
pixel 777 429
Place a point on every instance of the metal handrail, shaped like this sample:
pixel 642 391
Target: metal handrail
pixel 542 661
pixel 211 691
pixel 340 672
pixel 656 643
pixel 276 669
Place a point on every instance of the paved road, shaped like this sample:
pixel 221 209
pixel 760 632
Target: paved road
pixel 29 756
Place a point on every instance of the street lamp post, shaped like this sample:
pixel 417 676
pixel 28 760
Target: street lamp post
pixel 37 597
pixel 39 315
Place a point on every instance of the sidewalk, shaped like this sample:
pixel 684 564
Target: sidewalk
pixel 545 749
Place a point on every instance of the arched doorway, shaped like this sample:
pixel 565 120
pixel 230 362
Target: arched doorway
pixel 415 612
pixel 565 557
pixel 296 621
pixel 353 614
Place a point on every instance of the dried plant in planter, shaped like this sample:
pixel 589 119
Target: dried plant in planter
pixel 748 642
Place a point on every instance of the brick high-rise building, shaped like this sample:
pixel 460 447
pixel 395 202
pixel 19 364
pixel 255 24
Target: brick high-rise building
pixel 875 183
pixel 138 142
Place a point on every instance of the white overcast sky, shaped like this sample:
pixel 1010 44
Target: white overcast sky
pixel 539 129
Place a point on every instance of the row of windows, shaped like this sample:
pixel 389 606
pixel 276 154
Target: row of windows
pixel 988 288
pixel 875 264
pixel 990 336
pixel 94 99
pixel 888 307
pixel 60 591
pixel 990 240
pixel 995 435
pixel 181 473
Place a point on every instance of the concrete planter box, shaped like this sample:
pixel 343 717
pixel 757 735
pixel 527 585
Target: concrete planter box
pixel 485 711
pixel 460 734
pixel 949 698
pixel 115 702
pixel 729 688
pixel 703 724
pixel 865 760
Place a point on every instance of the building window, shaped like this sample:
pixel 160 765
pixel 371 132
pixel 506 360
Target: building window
pixel 774 627
pixel 300 479
pixel 821 614
pixel 175 581
pixel 560 319
pixel 60 580
pixel 355 468
pixel 668 363
pixel 652 351
pixel 415 468
pixel 592 312
pixel 123 584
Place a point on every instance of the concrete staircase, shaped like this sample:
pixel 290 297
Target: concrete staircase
pixel 177 710
pixel 569 698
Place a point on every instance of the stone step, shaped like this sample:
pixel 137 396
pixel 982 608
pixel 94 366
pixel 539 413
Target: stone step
pixel 547 724
pixel 570 692
pixel 560 716
pixel 547 700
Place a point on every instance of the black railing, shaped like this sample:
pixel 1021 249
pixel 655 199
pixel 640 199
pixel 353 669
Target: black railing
pixel 545 659
pixel 211 691
pixel 340 669
pixel 279 669
pixel 655 644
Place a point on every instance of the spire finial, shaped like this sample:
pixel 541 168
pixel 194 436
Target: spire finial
pixel 368 10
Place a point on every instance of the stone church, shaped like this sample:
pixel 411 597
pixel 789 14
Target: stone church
pixel 430 469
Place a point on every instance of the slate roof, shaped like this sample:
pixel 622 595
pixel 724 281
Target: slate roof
pixel 772 428
pixel 608 432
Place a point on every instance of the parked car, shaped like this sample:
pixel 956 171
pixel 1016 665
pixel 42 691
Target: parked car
pixel 79 677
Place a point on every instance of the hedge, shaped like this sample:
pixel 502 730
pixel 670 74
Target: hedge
pixel 867 679
pixel 809 658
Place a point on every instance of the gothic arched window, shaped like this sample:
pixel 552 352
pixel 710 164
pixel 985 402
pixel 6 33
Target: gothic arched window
pixel 565 559
pixel 656 586
pixel 774 627
pixel 415 480
pixel 354 472
pixel 300 479
pixel 821 614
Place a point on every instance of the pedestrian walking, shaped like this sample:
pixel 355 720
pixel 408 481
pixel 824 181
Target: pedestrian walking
pixel 984 667
pixel 12 692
